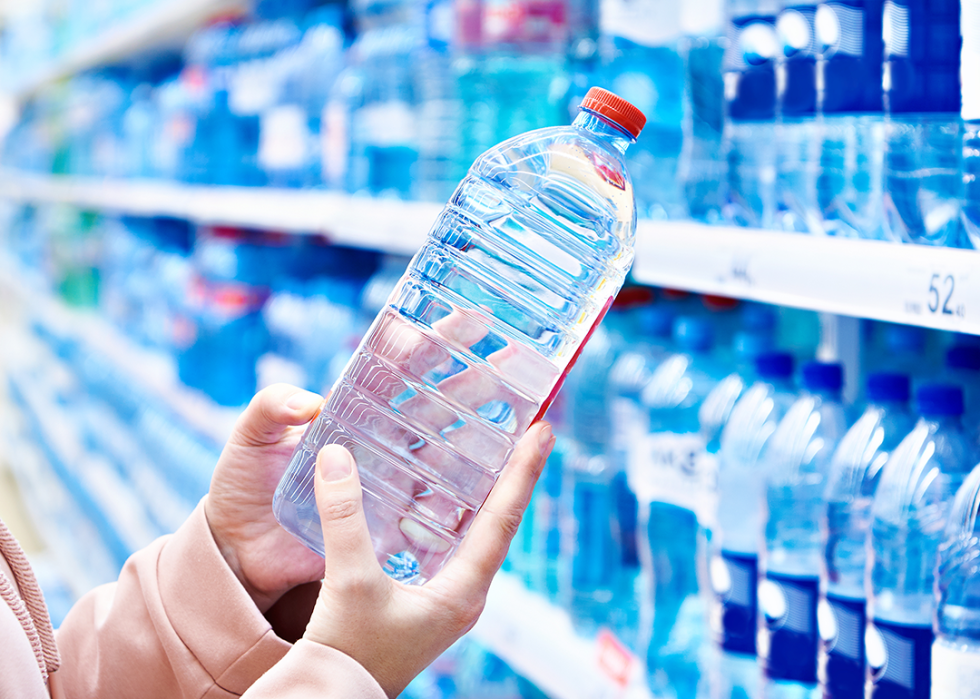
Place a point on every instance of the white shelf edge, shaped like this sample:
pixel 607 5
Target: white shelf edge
pixel 155 26
pixel 860 278
pixel 380 224
pixel 537 639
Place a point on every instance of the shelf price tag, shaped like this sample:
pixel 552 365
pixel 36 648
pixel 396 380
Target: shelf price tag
pixel 942 299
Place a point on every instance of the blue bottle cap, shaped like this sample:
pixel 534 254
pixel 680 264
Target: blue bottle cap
pixel 963 357
pixel 748 345
pixel 887 386
pixel 693 334
pixel 758 317
pixel 657 321
pixel 939 400
pixel 774 365
pixel 823 376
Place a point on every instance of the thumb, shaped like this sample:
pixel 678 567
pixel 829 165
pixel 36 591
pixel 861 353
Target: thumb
pixel 347 547
pixel 271 412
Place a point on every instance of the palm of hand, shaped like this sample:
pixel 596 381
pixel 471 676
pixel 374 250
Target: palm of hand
pixel 265 557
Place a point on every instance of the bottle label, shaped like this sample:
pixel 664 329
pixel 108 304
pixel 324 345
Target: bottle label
pixel 842 623
pixel 675 468
pixel 734 578
pixel 788 637
pixel 899 660
pixel 955 671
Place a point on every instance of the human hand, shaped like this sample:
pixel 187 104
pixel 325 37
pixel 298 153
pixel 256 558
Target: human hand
pixel 266 558
pixel 393 630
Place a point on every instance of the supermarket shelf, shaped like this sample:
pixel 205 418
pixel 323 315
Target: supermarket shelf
pixel 916 285
pixel 932 287
pixel 167 21
pixel 152 372
pixel 537 639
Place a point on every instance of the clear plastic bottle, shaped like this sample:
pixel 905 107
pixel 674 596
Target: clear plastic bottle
pixel 851 118
pixel 734 561
pixel 673 477
pixel 910 510
pixel 797 464
pixel 750 112
pixel 796 109
pixel 923 134
pixel 963 368
pixel 956 650
pixel 970 114
pixel 473 345
pixel 854 474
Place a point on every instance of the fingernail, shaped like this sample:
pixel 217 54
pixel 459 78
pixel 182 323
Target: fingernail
pixel 303 400
pixel 544 438
pixel 336 463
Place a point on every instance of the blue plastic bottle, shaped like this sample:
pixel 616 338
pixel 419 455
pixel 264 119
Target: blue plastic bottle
pixel 673 477
pixel 797 465
pixel 923 153
pixel 963 368
pixel 796 108
pixel 734 560
pixel 854 474
pixel 849 174
pixel 910 510
pixel 750 112
pixel 970 113
pixel 477 337
pixel 956 649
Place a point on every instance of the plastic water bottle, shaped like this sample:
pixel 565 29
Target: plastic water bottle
pixel 963 368
pixel 645 67
pixel 750 103
pixel 923 136
pixel 970 113
pixel 796 108
pixel 735 540
pixel 956 650
pixel 909 513
pixel 702 166
pixel 474 343
pixel 797 465
pixel 673 477
pixel 850 104
pixel 854 474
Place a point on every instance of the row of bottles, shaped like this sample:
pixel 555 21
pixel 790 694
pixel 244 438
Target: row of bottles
pixel 849 119
pixel 711 502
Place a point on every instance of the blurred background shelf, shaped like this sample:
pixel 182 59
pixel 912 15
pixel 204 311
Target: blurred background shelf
pixel 157 26
pixel 930 287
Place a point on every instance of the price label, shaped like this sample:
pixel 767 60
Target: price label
pixel 941 298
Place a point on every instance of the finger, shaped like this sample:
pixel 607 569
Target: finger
pixel 271 412
pixel 347 549
pixel 485 545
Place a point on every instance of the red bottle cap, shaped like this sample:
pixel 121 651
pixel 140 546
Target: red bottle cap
pixel 615 109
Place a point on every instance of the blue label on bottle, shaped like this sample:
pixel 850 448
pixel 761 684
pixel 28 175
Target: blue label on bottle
pixel 899 660
pixel 842 670
pixel 788 638
pixel 734 577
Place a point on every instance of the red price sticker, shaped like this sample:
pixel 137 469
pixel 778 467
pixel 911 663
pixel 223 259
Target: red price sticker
pixel 614 658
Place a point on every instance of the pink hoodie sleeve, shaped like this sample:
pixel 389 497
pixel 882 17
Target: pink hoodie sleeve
pixel 178 623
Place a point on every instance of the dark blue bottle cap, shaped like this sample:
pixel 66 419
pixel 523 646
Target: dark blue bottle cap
pixel 939 400
pixel 774 365
pixel 963 357
pixel 657 321
pixel 823 376
pixel 693 334
pixel 887 386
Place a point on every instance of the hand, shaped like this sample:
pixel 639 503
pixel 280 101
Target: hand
pixel 393 630
pixel 266 558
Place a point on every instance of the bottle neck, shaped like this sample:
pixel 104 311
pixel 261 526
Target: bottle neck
pixel 618 137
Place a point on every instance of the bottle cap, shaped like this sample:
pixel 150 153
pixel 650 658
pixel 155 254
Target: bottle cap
pixel 939 400
pixel 657 321
pixel 615 109
pixel 820 376
pixel 963 357
pixel 748 345
pixel 693 334
pixel 633 297
pixel 774 365
pixel 887 386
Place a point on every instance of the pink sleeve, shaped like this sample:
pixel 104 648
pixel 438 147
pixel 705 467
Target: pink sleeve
pixel 178 623
pixel 311 670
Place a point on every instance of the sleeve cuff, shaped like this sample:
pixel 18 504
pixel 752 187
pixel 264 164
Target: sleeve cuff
pixel 313 670
pixel 210 610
